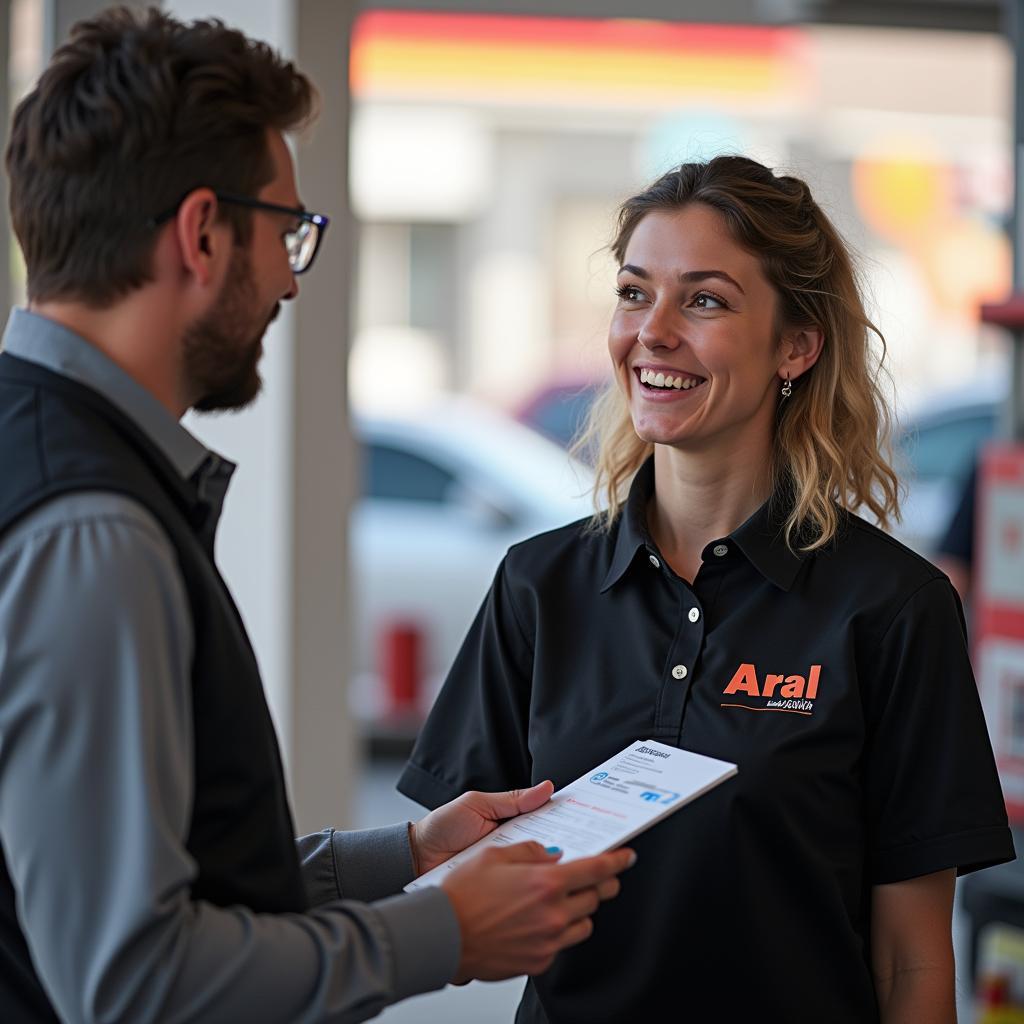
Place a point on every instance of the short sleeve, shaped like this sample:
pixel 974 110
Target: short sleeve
pixel 476 734
pixel 932 791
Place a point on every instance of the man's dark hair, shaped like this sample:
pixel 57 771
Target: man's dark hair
pixel 134 112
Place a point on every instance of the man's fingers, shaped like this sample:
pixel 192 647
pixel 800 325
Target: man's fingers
pixel 532 798
pixel 590 871
pixel 498 806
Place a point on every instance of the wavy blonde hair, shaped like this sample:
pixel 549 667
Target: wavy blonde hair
pixel 832 446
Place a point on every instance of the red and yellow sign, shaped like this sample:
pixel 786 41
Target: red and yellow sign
pixel 483 58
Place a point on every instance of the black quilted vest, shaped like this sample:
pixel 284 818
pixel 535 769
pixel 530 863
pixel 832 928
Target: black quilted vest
pixel 57 436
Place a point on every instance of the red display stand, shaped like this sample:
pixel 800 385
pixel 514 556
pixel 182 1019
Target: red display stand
pixel 999 613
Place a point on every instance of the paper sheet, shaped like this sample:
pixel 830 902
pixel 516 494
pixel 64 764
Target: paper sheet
pixel 605 808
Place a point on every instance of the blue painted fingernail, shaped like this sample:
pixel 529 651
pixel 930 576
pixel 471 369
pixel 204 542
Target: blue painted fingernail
pixel 552 849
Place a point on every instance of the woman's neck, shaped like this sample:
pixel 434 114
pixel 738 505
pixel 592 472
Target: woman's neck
pixel 699 497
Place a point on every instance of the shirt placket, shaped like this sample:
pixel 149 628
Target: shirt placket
pixel 680 665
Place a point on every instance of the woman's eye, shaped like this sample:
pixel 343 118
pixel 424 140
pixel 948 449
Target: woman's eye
pixel 629 293
pixel 705 300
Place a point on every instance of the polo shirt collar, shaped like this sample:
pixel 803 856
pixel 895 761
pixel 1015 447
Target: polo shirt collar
pixel 761 538
pixel 632 535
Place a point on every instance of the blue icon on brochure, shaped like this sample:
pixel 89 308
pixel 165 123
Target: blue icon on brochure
pixel 651 798
pixel 599 777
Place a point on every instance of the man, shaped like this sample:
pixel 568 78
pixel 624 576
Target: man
pixel 149 871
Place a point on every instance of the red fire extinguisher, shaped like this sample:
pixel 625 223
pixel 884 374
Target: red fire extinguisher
pixel 401 651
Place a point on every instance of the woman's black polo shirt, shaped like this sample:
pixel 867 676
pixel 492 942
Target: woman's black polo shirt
pixel 838 681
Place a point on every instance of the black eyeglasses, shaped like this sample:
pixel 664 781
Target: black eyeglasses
pixel 302 242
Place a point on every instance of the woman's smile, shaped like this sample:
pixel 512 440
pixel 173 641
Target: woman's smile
pixel 658 384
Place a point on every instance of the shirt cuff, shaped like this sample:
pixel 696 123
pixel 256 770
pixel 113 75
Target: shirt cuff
pixel 372 863
pixel 425 938
pixel 316 863
pixel 965 851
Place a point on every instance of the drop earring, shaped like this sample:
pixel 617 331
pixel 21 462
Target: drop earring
pixel 787 388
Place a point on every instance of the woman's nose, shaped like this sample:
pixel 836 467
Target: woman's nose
pixel 658 329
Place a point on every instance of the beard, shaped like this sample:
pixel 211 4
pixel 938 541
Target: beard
pixel 222 350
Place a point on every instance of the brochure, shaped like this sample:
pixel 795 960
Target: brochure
pixel 607 807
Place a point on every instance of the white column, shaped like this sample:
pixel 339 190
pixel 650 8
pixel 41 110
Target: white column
pixel 324 478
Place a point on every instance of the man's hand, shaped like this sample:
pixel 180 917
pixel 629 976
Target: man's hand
pixel 458 824
pixel 517 907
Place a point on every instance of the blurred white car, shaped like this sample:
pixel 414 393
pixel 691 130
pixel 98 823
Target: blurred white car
pixel 444 495
pixel 938 445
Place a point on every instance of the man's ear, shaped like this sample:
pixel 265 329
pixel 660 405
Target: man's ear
pixel 203 242
pixel 800 348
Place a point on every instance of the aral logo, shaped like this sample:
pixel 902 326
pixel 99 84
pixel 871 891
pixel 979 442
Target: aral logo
pixel 775 692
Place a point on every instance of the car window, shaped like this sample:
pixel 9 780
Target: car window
pixel 945 450
pixel 398 475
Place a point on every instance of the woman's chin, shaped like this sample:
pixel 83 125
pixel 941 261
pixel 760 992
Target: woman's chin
pixel 654 432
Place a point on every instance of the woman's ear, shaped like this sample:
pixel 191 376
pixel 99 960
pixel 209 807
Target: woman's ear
pixel 800 347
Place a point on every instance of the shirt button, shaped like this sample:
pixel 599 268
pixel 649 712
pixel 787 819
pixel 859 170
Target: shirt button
pixel 720 549
pixel 679 671
pixel 694 614
pixel 654 561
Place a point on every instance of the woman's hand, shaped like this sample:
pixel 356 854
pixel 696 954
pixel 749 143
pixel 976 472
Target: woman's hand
pixel 450 829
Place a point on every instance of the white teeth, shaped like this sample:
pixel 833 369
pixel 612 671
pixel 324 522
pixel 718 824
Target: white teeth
pixel 662 380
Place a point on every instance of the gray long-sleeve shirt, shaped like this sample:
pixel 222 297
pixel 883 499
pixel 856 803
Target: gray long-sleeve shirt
pixel 96 779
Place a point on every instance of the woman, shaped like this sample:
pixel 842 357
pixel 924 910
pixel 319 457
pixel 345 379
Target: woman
pixel 729 601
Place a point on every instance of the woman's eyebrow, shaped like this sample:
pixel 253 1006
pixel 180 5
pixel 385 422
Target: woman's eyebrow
pixel 703 275
pixel 689 275
pixel 632 268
